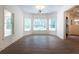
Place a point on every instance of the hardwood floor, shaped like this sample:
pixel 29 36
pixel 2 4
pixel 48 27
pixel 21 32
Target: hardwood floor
pixel 42 44
pixel 73 37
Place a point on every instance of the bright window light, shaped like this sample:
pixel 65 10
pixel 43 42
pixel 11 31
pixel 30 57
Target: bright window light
pixel 27 24
pixel 52 24
pixel 7 23
pixel 39 24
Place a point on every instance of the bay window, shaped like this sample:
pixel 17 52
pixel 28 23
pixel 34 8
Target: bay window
pixel 39 24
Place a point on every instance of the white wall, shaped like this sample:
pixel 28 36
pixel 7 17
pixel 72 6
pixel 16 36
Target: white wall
pixel 60 24
pixel 61 21
pixel 1 23
pixel 18 25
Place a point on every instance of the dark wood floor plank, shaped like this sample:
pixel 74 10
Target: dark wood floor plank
pixel 46 44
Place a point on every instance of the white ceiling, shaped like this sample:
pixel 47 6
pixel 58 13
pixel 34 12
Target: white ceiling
pixel 47 9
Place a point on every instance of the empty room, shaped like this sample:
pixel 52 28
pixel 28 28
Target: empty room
pixel 39 29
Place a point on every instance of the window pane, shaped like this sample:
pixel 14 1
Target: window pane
pixel 27 24
pixel 52 24
pixel 7 23
pixel 39 24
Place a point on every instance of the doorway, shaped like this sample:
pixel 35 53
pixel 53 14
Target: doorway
pixel 72 23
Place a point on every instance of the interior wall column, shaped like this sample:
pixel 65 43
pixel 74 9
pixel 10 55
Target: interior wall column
pixel 32 19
